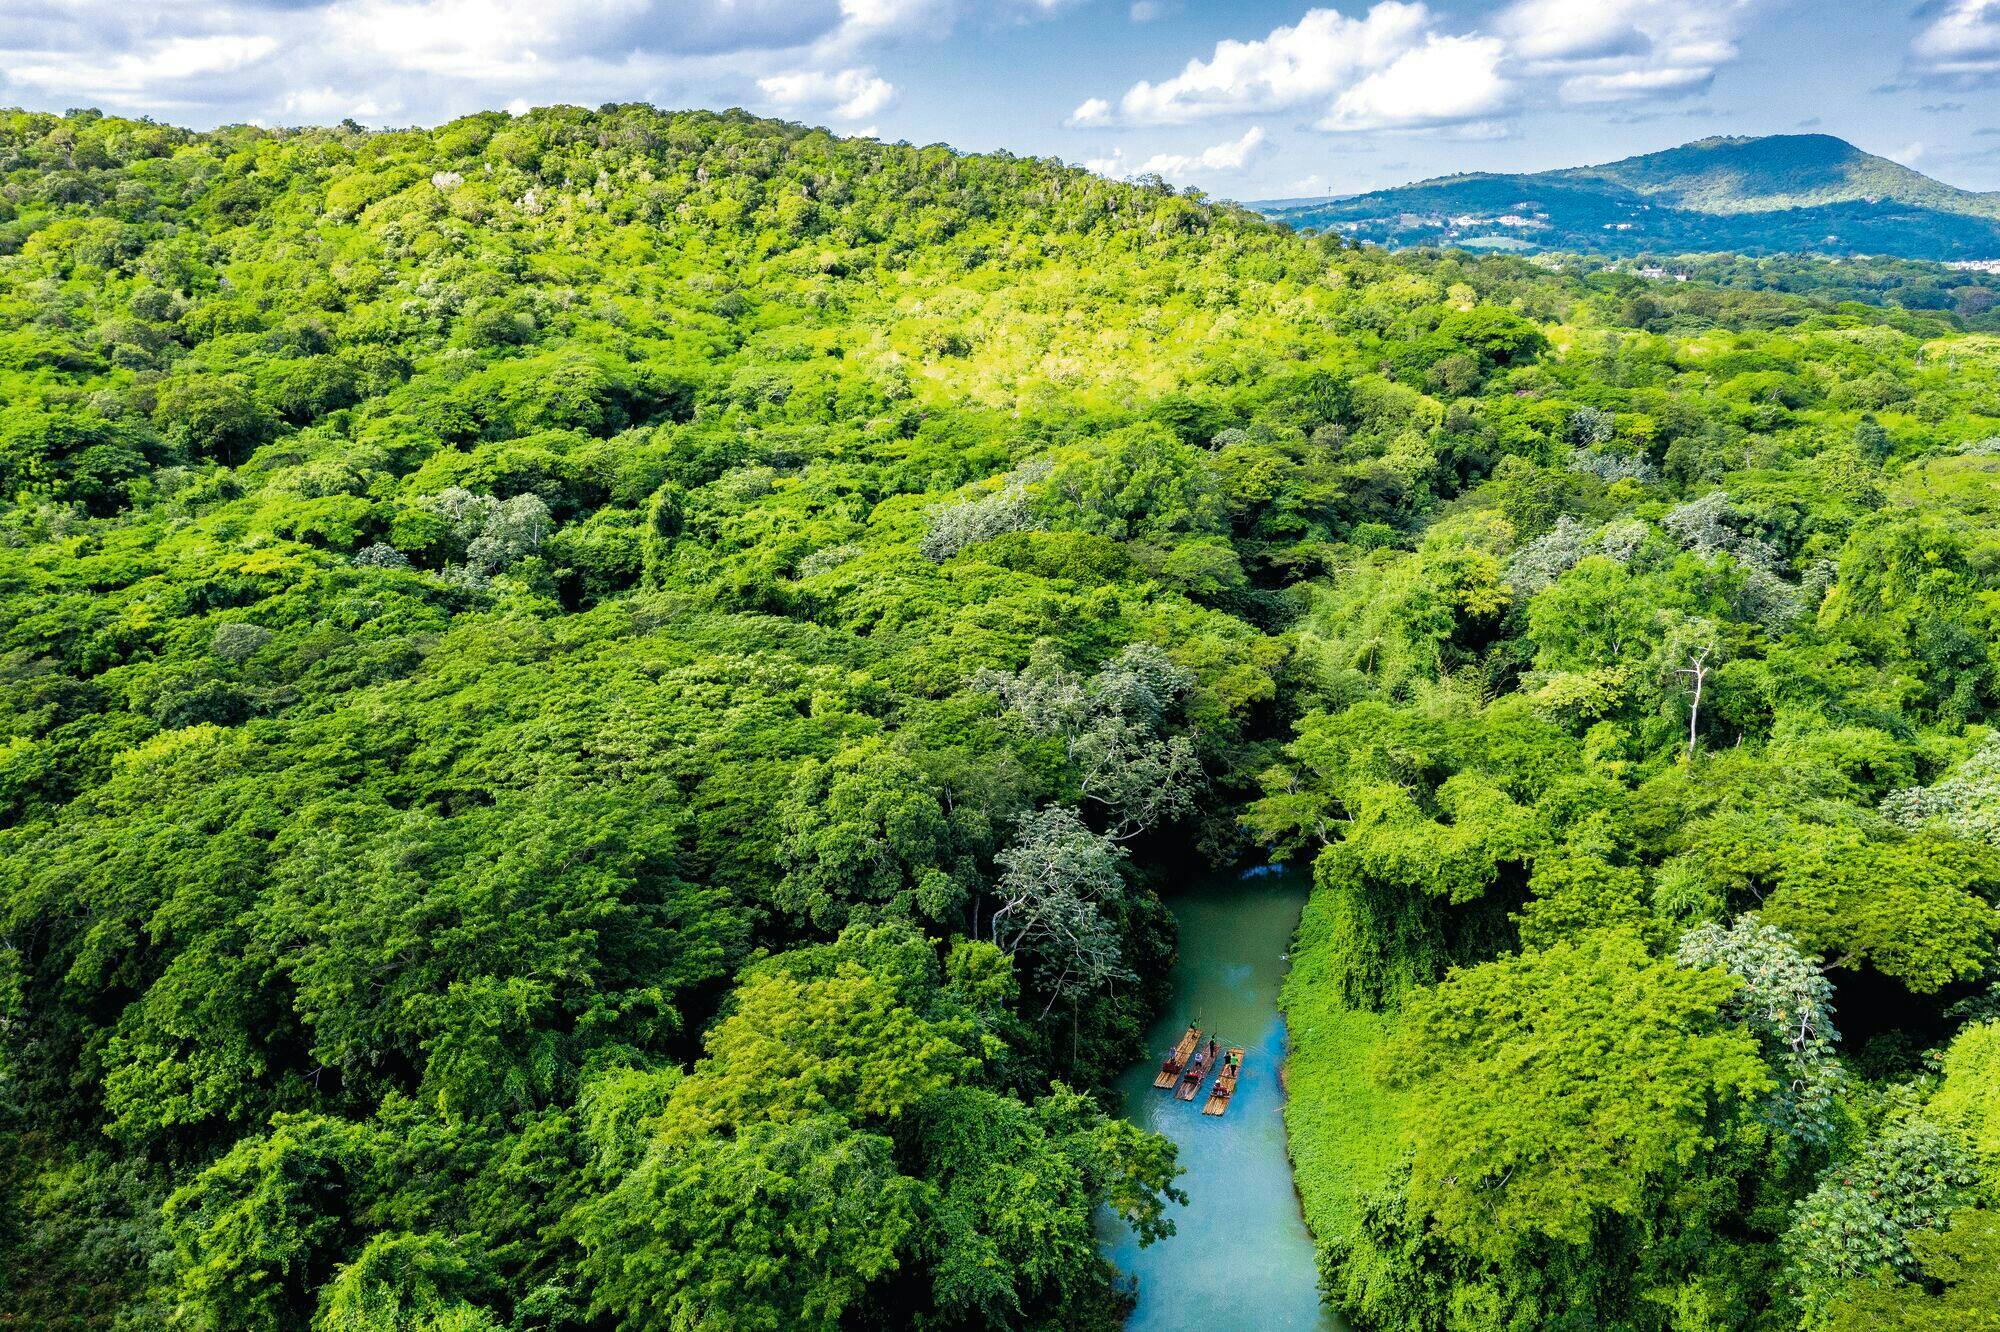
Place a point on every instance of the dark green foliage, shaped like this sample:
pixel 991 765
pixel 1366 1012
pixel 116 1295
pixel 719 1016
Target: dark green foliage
pixel 1865 1213
pixel 1957 1290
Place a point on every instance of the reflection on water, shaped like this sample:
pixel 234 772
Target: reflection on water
pixel 1241 1257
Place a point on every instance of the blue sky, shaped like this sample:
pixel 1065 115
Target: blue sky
pixel 1254 99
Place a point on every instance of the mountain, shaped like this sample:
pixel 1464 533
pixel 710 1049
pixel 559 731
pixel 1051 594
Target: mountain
pixel 1781 193
pixel 1778 173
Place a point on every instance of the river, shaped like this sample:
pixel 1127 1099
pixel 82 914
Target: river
pixel 1241 1257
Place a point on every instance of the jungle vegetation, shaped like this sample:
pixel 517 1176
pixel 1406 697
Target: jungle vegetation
pixel 596 705
pixel 1674 297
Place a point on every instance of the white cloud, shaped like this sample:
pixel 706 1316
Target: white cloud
pixel 1568 30
pixel 1232 156
pixel 848 94
pixel 1217 159
pixel 1093 111
pixel 163 63
pixel 1962 42
pixel 1623 50
pixel 516 39
pixel 876 17
pixel 324 104
pixel 1310 60
pixel 208 61
pixel 1446 80
pixel 420 59
pixel 1398 67
pixel 1632 84
pixel 470 39
pixel 868 20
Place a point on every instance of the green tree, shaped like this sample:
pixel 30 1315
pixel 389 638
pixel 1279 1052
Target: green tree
pixel 868 828
pixel 1865 1213
pixel 256 1234
pixel 214 416
pixel 1957 1287
pixel 780 1225
pixel 1563 1086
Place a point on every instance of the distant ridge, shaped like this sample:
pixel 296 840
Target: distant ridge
pixel 1780 193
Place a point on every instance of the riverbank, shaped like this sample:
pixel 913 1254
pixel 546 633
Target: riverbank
pixel 1241 1255
pixel 1341 1127
pixel 1334 1122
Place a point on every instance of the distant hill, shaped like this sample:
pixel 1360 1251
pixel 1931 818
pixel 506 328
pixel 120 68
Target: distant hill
pixel 1779 194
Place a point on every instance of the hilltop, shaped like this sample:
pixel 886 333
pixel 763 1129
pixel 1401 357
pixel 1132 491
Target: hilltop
pixel 1777 194
pixel 1778 172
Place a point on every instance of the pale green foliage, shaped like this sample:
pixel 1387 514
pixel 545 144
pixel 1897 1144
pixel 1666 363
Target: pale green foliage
pixel 1788 1002
pixel 381 556
pixel 489 535
pixel 238 640
pixel 1712 526
pixel 1607 465
pixel 1115 728
pixel 1589 425
pixel 981 517
pixel 1968 1099
pixel 1966 803
pixel 1862 1216
pixel 1058 881
pixel 1536 565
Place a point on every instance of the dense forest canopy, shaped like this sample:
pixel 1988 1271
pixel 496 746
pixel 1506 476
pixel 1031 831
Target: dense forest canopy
pixel 596 704
pixel 1940 297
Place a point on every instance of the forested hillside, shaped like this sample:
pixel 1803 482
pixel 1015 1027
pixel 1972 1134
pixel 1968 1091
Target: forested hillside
pixel 1668 293
pixel 1780 194
pixel 1773 172
pixel 596 704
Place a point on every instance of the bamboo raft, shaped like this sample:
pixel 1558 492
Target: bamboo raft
pixel 1170 1071
pixel 1197 1072
pixel 1225 1082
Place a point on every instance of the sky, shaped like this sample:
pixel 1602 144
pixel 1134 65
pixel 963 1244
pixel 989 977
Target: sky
pixel 1254 99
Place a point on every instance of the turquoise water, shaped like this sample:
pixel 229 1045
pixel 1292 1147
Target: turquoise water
pixel 1241 1258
